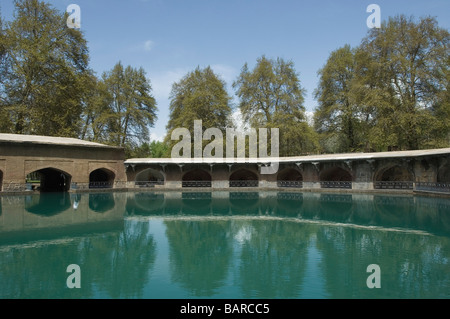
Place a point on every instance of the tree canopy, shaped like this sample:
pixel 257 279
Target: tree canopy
pixel 44 66
pixel 391 92
pixel 199 95
pixel 271 96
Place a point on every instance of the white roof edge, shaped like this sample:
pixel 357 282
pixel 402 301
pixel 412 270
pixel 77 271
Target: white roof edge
pixel 52 140
pixel 308 158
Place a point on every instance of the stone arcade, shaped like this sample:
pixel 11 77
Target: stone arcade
pixel 65 164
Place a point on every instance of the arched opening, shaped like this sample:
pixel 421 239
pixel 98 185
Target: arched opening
pixel 196 178
pixel 243 178
pixel 443 175
pixel 149 178
pixel 101 178
pixel 290 177
pixel 1 180
pixel 335 177
pixel 49 180
pixel 394 177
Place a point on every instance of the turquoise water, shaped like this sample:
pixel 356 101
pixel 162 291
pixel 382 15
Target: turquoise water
pixel 224 245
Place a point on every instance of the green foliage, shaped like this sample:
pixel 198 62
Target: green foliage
pixel 389 93
pixel 271 96
pixel 158 149
pixel 340 119
pixel 44 66
pixel 155 149
pixel 412 61
pixel 119 108
pixel 46 86
pixel 131 109
pixel 199 95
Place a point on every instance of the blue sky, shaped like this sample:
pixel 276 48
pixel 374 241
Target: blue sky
pixel 170 38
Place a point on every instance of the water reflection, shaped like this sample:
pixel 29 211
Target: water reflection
pixel 38 242
pixel 413 266
pixel 199 253
pixel 225 245
pixel 407 212
pixel 47 204
pixel 101 202
pixel 269 268
pixel 52 215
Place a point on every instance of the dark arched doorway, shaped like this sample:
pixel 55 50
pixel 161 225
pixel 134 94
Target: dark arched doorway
pixel 394 177
pixel 101 178
pixel 1 180
pixel 290 177
pixel 443 175
pixel 243 178
pixel 149 178
pixel 49 180
pixel 196 178
pixel 335 177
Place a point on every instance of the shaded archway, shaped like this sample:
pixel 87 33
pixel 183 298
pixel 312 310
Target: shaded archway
pixel 335 177
pixel 394 177
pixel 243 178
pixel 443 175
pixel 149 177
pixel 290 177
pixel 101 178
pixel 50 180
pixel 196 178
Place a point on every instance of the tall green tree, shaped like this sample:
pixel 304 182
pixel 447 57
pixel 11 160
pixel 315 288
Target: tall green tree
pixel 44 65
pixel 131 107
pixel 271 96
pixel 96 111
pixel 391 92
pixel 410 67
pixel 199 95
pixel 341 116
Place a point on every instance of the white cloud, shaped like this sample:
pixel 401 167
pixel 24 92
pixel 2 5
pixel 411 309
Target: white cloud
pixel 156 137
pixel 238 121
pixel 310 117
pixel 148 45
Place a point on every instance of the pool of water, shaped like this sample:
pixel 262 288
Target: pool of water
pixel 224 245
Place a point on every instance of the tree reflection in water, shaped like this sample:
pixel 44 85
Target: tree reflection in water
pixel 264 245
pixel 273 258
pixel 199 253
